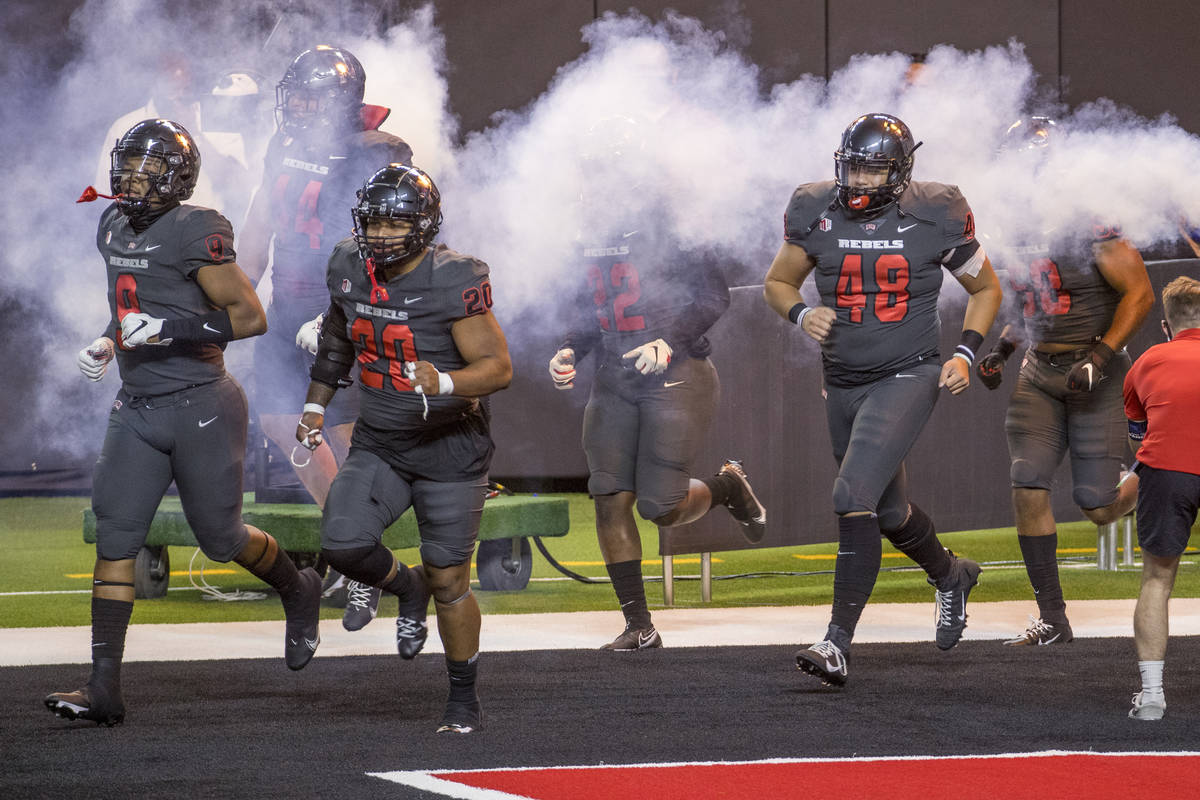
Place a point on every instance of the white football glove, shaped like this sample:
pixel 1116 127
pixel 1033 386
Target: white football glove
pixel 137 328
pixel 562 369
pixel 653 358
pixel 93 359
pixel 309 335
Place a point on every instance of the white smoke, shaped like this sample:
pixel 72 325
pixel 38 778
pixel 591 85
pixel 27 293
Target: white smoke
pixel 718 156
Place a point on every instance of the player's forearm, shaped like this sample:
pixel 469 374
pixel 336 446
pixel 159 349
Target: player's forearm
pixel 1130 314
pixel 485 375
pixel 781 296
pixel 319 393
pixel 247 318
pixel 982 307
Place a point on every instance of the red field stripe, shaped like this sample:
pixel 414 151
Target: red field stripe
pixel 1012 777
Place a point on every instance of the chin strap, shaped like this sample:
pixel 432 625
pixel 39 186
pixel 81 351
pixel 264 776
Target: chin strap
pixel 90 194
pixel 378 293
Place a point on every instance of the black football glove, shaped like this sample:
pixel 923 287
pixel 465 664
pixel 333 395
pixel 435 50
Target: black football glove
pixel 990 368
pixel 1087 374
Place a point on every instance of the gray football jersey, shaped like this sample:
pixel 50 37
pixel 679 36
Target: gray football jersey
pixel 413 324
pixel 1062 295
pixel 155 272
pixel 881 275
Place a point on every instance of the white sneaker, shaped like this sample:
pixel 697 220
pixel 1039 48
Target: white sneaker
pixel 1148 707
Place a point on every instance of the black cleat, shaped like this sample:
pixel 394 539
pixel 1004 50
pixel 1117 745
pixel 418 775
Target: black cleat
pixel 362 604
pixel 411 628
pixel 952 601
pixel 1041 632
pixel 743 504
pixel 303 611
pixel 461 717
pixel 635 639
pixel 826 661
pixel 104 707
pixel 335 588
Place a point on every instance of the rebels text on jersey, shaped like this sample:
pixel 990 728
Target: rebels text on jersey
pixel 413 324
pixel 311 188
pixel 154 272
pixel 1062 296
pixel 641 288
pixel 881 275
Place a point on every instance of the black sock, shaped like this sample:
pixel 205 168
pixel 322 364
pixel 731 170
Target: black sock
pixel 110 621
pixel 1041 562
pixel 462 679
pixel 859 553
pixel 282 575
pixel 918 540
pixel 720 486
pixel 631 593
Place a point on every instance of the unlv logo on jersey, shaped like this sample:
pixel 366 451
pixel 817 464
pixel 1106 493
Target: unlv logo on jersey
pixel 869 227
pixel 826 224
pixel 216 246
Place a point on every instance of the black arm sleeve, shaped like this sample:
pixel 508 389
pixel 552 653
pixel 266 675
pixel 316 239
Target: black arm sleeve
pixel 335 351
pixel 710 299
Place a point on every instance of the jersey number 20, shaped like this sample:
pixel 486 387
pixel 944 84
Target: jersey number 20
pixel 382 354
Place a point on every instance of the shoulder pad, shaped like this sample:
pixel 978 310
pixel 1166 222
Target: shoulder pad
pixel 384 148
pixel 808 203
pixel 451 268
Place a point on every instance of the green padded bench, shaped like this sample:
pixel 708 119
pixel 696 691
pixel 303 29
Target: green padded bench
pixel 502 563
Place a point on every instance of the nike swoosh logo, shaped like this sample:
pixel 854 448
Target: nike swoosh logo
pixel 138 328
pixel 208 422
pixel 312 643
pixel 208 327
pixel 408 300
pixel 906 227
pixel 1051 640
pixel 645 640
pixel 669 384
pixel 905 375
pixel 153 247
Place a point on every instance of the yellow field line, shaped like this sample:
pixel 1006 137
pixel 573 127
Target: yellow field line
pixel 174 573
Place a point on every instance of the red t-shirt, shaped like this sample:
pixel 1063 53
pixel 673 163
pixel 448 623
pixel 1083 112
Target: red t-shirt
pixel 1163 388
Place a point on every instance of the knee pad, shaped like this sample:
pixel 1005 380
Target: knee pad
pixel 221 547
pixel 1025 476
pixel 652 509
pixel 443 555
pixel 843 498
pixel 602 483
pixel 118 539
pixel 1090 497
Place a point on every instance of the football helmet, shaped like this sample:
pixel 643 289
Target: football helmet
pixel 322 90
pixel 877 143
pixel 1028 133
pixel 156 163
pixel 397 193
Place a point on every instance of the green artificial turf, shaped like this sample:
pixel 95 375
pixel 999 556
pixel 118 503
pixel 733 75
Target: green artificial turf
pixel 46 566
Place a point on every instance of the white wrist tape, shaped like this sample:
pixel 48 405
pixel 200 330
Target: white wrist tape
pixel 445 383
pixel 314 408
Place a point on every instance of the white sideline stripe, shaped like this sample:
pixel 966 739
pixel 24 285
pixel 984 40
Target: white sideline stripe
pixel 586 630
pixel 430 782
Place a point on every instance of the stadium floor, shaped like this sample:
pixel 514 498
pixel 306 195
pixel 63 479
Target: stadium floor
pixel 247 727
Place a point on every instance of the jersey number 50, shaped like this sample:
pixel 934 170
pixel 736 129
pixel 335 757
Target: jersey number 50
pixel 891 276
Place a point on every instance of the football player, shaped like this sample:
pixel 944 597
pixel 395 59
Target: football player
pixel 327 143
pixel 644 309
pixel 1077 298
pixel 877 243
pixel 417 318
pixel 176 295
